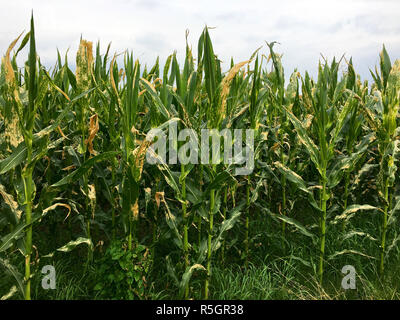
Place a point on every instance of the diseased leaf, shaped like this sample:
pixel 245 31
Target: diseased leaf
pixel 349 251
pixel 72 245
pixel 351 210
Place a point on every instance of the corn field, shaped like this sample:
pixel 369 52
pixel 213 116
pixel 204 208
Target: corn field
pixel 75 184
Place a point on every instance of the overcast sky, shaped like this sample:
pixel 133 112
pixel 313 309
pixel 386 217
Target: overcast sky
pixel 304 29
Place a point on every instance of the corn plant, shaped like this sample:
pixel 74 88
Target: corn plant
pixel 26 116
pixel 382 110
pixel 326 133
pixel 28 152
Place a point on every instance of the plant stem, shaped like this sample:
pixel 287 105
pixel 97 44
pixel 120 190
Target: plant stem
pixel 233 192
pixel 200 220
pixel 185 229
pixel 283 183
pixel 154 239
pixel 246 226
pixel 210 230
pixel 224 209
pixel 384 228
pixel 113 207
pixel 28 188
pixel 346 196
pixel 323 232
pixel 130 236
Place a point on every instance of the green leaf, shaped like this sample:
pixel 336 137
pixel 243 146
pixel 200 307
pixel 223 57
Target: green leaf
pixel 226 225
pixel 209 66
pixel 187 276
pixel 171 270
pixel 172 224
pixel 350 103
pixel 75 175
pixel 220 179
pixel 130 194
pixel 385 65
pixel 290 221
pixel 32 82
pixel 23 43
pixel 298 181
pixel 184 174
pixel 392 245
pixel 392 212
pixel 7 240
pixel 305 139
pixel 155 98
pixel 304 262
pixel 17 157
pixel 170 179
pixel 15 273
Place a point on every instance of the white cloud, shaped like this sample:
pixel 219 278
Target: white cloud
pixel 150 28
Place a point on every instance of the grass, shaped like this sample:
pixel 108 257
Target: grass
pixel 278 278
